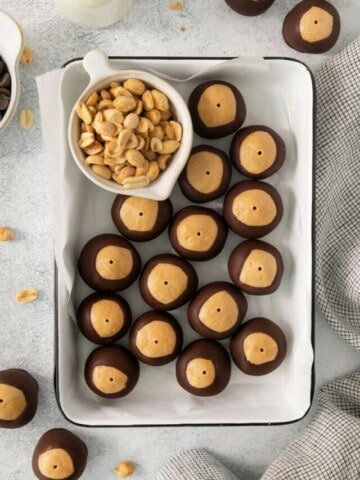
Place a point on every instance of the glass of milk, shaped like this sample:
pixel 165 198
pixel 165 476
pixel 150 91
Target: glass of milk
pixel 94 13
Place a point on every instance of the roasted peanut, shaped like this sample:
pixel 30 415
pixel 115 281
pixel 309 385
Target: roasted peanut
pixel 136 182
pixel 163 161
pixel 123 173
pixel 135 158
pixel 161 101
pixel 94 160
pixel 156 145
pixel 102 171
pixel 27 295
pixel 153 171
pixel 170 146
pixel 131 121
pixel 135 86
pixel 92 99
pixel 140 171
pixel 154 116
pixel 86 139
pixel 6 234
pixel 148 101
pixel 125 469
pixel 124 104
pixel 94 149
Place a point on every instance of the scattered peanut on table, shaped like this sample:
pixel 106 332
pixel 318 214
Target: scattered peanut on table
pixel 125 469
pixel 128 133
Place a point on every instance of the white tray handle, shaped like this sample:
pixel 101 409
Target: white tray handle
pixel 97 65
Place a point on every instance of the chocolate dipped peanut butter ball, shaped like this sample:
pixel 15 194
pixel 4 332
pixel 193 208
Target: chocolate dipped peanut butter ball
pixel 217 310
pixel 250 8
pixel 18 398
pixel 252 209
pixel 109 262
pixel 140 219
pixel 156 338
pixel 217 109
pixel 257 151
pixel 197 233
pixel 103 317
pixel 256 267
pixel 312 26
pixel 59 455
pixel 167 282
pixel 111 371
pixel 259 347
pixel 207 174
pixel 203 368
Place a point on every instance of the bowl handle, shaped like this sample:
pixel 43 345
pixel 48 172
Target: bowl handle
pixel 97 65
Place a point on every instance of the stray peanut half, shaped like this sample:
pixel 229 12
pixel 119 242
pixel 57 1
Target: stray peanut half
pixel 128 133
pixel 27 55
pixel 6 234
pixel 27 295
pixel 125 469
pixel 26 118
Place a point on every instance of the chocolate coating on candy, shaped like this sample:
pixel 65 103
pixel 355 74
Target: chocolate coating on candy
pixel 103 317
pixel 109 262
pixel 111 371
pixel 252 209
pixel 217 310
pixel 203 368
pixel 259 347
pixel 197 233
pixel 250 8
pixel 167 282
pixel 156 338
pixel 256 267
pixel 312 26
pixel 59 455
pixel 217 109
pixel 207 174
pixel 140 219
pixel 257 151
pixel 18 398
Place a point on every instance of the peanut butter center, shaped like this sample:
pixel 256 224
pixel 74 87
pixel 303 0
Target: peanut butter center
pixel 219 312
pixel 113 262
pixel 260 348
pixel 167 282
pixel 259 269
pixel 257 152
pixel 254 208
pixel 316 24
pixel 204 171
pixel 200 373
pixel 108 379
pixel 56 464
pixel 156 339
pixel 197 232
pixel 217 106
pixel 12 402
pixel 139 214
pixel 107 318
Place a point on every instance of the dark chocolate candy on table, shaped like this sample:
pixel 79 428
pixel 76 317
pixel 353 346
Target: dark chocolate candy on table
pixel 250 7
pixel 312 26
pixel 111 371
pixel 18 398
pixel 156 338
pixel 256 267
pixel 140 219
pixel 252 209
pixel 217 109
pixel 203 368
pixel 197 233
pixel 257 151
pixel 207 174
pixel 5 88
pixel 109 262
pixel 167 282
pixel 59 454
pixel 103 317
pixel 217 310
pixel 259 347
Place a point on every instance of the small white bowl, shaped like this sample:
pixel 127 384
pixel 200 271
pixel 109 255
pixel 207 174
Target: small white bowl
pixel 11 47
pixel 96 64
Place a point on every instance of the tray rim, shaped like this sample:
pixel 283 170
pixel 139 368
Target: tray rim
pixel 313 255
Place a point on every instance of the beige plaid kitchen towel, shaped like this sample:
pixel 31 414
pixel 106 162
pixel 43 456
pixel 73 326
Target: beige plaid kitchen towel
pixel 329 448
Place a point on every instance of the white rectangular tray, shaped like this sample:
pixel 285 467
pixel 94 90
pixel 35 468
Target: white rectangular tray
pixel 278 93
